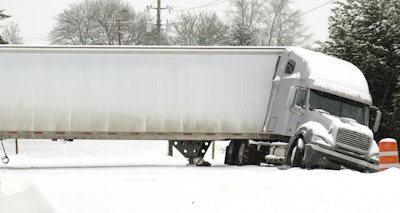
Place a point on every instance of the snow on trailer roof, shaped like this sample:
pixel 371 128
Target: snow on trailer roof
pixel 98 49
pixel 334 75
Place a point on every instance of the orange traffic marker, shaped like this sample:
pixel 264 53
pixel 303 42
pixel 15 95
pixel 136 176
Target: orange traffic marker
pixel 388 154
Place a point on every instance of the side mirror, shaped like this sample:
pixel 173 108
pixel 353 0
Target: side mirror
pixel 378 117
pixel 292 94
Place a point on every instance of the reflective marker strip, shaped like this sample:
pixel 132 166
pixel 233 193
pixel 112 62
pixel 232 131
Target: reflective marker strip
pixel 390 153
pixel 388 165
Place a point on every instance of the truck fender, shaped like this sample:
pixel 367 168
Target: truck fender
pixel 305 132
pixel 300 133
pixel 310 129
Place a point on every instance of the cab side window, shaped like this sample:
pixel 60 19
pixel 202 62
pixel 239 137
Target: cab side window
pixel 290 66
pixel 301 98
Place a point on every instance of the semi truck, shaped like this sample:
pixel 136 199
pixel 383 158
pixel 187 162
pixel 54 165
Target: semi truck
pixel 276 105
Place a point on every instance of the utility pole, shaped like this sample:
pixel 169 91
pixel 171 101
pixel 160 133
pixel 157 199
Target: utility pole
pixel 16 146
pixel 119 31
pixel 158 22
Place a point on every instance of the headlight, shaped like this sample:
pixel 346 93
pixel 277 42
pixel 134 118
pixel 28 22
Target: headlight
pixel 319 139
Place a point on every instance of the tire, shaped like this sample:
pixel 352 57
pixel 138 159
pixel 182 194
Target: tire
pixel 240 153
pixel 242 156
pixel 253 156
pixel 248 154
pixel 296 154
pixel 231 154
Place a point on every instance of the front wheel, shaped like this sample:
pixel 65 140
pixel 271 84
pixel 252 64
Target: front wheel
pixel 295 154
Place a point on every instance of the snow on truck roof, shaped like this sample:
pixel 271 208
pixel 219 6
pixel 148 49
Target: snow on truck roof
pixel 333 75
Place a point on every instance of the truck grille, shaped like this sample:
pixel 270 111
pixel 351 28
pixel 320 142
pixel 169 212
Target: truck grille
pixel 353 141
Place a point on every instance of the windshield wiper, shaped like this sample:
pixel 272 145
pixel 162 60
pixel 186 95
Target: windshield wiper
pixel 321 111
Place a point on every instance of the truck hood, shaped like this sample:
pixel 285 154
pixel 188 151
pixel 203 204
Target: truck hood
pixel 333 123
pixel 327 126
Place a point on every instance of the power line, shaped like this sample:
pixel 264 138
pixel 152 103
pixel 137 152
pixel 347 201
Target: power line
pixel 213 3
pixel 315 8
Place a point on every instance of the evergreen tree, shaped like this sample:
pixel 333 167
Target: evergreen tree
pixel 365 32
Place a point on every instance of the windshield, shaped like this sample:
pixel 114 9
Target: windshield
pixel 339 106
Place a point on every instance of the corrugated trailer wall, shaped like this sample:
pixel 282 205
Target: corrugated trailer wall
pixel 56 92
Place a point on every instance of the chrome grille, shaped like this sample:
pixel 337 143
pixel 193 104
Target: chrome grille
pixel 353 141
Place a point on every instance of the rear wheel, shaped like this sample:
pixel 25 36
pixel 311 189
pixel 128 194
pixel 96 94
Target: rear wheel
pixel 242 154
pixel 231 154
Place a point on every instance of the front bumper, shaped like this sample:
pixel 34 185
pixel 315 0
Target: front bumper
pixel 317 156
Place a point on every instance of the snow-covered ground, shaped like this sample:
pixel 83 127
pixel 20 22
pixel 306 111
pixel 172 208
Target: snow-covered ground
pixel 138 176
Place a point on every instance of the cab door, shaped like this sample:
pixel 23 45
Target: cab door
pixel 298 110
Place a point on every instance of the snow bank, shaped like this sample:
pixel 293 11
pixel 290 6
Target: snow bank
pixel 151 181
pixel 21 196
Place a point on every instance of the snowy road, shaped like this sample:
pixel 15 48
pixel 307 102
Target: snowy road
pixel 153 182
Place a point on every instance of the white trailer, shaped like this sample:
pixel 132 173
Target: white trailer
pixel 188 95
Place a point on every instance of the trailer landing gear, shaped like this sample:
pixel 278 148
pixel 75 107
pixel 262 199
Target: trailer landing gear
pixel 194 151
pixel 5 158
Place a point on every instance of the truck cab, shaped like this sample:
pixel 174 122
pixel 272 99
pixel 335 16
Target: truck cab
pixel 321 104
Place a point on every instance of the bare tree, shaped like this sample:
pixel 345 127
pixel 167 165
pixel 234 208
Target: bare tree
pixel 211 30
pixel 266 22
pixel 184 29
pixel 246 16
pixel 99 22
pixel 203 28
pixel 283 25
pixel 11 33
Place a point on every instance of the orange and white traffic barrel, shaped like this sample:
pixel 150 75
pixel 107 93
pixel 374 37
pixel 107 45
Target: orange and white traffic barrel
pixel 388 154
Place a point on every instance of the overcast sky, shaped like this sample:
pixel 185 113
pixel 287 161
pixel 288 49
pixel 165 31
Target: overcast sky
pixel 36 18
